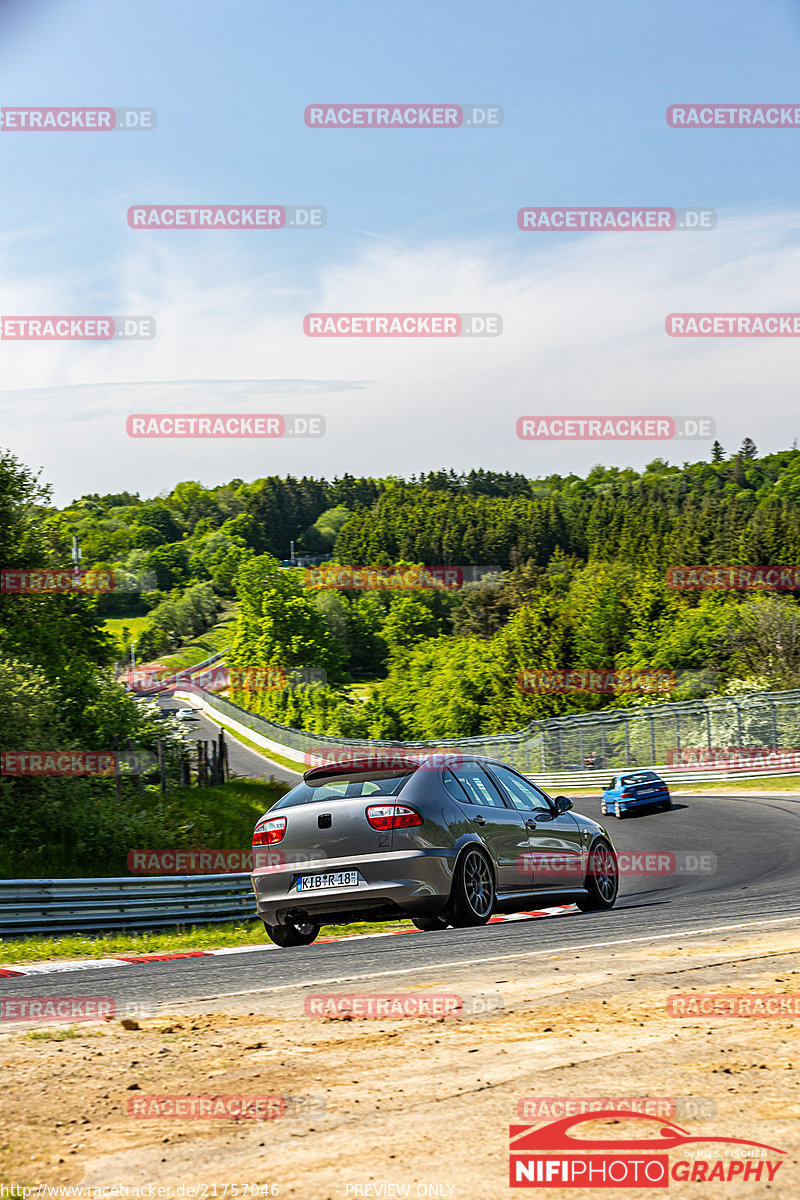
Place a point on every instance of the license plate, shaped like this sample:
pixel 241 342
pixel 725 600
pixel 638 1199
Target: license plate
pixel 334 879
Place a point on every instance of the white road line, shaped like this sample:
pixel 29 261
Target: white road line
pixel 491 958
pixel 84 964
pixel 80 964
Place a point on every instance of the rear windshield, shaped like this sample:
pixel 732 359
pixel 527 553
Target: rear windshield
pixel 343 787
pixel 642 777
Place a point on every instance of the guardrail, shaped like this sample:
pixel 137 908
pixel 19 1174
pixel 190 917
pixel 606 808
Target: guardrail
pixel 71 905
pixel 674 776
pixel 591 777
pixel 622 739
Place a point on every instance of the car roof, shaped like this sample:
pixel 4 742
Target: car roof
pixel 399 762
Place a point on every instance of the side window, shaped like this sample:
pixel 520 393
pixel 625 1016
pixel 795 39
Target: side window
pixel 523 794
pixel 477 784
pixel 454 788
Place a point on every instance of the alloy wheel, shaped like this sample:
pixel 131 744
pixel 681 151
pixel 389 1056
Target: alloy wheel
pixel 478 883
pixel 605 873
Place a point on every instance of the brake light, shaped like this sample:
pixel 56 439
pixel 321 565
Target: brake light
pixel 392 816
pixel 626 796
pixel 269 832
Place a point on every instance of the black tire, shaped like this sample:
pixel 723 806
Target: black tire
pixel 666 806
pixel 602 879
pixel 430 924
pixel 473 894
pixel 293 934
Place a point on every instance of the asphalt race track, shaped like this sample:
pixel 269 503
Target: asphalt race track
pixel 756 840
pixel 243 760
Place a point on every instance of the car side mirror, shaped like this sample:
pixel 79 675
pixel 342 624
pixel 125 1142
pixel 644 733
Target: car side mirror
pixel 563 804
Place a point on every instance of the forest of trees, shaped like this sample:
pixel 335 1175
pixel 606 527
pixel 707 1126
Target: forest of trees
pixel 580 582
pixel 582 585
pixel 58 692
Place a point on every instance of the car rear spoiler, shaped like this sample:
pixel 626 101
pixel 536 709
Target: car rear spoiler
pixel 377 763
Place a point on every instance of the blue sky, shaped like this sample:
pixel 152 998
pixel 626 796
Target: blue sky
pixel 417 221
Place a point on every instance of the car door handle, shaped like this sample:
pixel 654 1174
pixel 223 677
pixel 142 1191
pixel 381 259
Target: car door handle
pixel 479 820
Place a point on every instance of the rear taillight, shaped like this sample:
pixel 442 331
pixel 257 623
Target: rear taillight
pixel 269 832
pixel 392 816
pixel 626 796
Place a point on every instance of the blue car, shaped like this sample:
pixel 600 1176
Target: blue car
pixel 635 790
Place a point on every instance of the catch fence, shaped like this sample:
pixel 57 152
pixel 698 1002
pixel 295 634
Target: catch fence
pixel 689 733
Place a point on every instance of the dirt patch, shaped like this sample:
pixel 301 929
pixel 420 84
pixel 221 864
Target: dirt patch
pixel 417 1102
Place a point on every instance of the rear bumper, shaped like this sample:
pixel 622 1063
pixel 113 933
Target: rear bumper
pixel 403 883
pixel 640 802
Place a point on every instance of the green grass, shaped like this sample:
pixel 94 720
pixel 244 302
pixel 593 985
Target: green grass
pixel 211 642
pixel 224 814
pixel 288 763
pixel 16 951
pixel 771 783
pixel 362 690
pixel 59 1035
pixel 193 652
pixel 100 833
pixel 115 625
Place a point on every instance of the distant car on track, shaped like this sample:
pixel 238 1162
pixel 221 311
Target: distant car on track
pixel 634 790
pixel 185 714
pixel 442 841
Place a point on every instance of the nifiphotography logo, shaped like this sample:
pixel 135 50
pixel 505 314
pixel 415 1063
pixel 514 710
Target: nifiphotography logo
pixel 552 1156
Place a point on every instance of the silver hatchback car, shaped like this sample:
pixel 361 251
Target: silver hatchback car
pixel 444 841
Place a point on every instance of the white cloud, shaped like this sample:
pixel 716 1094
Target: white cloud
pixel 583 333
